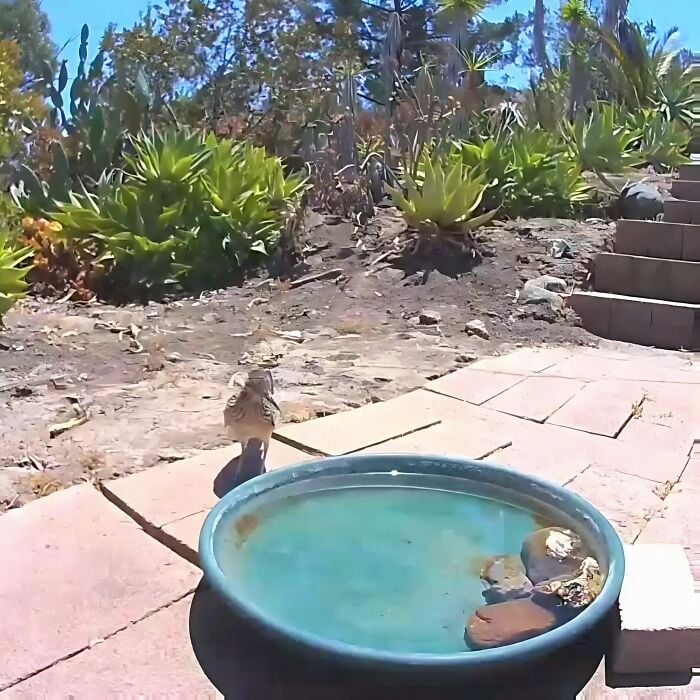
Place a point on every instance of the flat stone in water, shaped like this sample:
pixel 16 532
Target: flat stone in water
pixel 550 553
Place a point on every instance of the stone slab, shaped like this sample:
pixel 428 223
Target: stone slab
pixel 602 407
pixel 659 612
pixel 182 536
pixel 474 386
pixel 354 430
pixel 536 398
pixel 678 523
pixel 151 659
pixel 655 239
pixel 524 361
pixel 77 569
pixel 173 491
pixel 626 500
pixel 686 189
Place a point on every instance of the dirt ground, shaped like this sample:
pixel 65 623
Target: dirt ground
pixel 93 391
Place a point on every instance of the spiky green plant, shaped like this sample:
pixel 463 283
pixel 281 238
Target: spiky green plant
pixel 13 271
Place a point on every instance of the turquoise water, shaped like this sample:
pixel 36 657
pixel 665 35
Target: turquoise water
pixel 390 568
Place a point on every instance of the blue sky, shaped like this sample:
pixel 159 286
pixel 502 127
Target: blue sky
pixel 67 16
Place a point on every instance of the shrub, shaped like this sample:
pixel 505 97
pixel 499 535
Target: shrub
pixel 187 211
pixel 13 285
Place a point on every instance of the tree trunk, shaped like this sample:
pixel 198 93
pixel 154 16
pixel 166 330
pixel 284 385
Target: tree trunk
pixel 539 41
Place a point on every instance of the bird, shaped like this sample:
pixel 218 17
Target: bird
pixel 253 414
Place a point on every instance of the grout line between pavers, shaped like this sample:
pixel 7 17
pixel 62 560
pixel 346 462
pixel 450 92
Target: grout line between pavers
pixel 396 437
pixel 480 405
pixel 299 446
pixel 89 646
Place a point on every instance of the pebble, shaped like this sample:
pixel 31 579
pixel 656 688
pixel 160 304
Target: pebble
pixel 505 576
pixel 551 553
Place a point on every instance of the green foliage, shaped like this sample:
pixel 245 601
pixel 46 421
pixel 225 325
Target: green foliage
pixel 187 211
pixel 24 22
pixel 17 107
pixel 445 198
pixel 12 273
pixel 662 143
pixel 601 142
pixel 529 174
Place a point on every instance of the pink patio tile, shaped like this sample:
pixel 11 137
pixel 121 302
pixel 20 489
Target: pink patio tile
pixel 524 361
pixel 473 438
pixel 80 570
pixel 354 430
pixel 172 491
pixel 152 658
pixel 586 367
pixel 603 407
pixel 182 536
pixel 690 477
pixel 472 385
pixel 678 523
pixel 627 501
pixel 537 397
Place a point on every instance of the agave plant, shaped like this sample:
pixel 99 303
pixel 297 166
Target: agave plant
pixel 662 143
pixel 446 200
pixel 602 142
pixel 13 272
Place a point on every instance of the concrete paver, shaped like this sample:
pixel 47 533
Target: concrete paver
pixel 524 361
pixel 537 397
pixel 474 386
pixel 173 491
pixel 152 658
pixel 184 535
pixel 602 407
pixel 627 501
pixel 354 430
pixel 76 570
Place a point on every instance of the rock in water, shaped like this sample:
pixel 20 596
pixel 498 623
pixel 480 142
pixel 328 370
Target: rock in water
pixel 551 553
pixel 641 201
pixel 513 621
pixel 579 591
pixel 506 578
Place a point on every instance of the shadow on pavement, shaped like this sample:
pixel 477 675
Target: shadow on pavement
pixel 246 466
pixel 243 665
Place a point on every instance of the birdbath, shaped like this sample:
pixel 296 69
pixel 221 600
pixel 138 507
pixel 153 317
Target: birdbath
pixel 404 563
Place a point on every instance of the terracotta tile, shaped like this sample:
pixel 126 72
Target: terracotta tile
pixel 627 501
pixel 602 407
pixel 686 189
pixel 614 273
pixel 685 282
pixel 473 385
pixel 523 361
pixel 81 570
pixel 354 430
pixel 656 239
pixel 536 397
pixel 152 658
pixel 689 172
pixel 172 491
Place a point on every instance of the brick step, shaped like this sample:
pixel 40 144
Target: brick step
pixel 658 239
pixel 650 278
pixel 662 324
pixel 686 189
pixel 682 211
pixel 691 171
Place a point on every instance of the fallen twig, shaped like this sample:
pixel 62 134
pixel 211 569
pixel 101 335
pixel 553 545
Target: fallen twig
pixel 326 274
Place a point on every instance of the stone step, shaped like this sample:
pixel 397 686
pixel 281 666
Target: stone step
pixel 682 211
pixel 689 172
pixel 686 189
pixel 658 239
pixel 662 324
pixel 650 278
